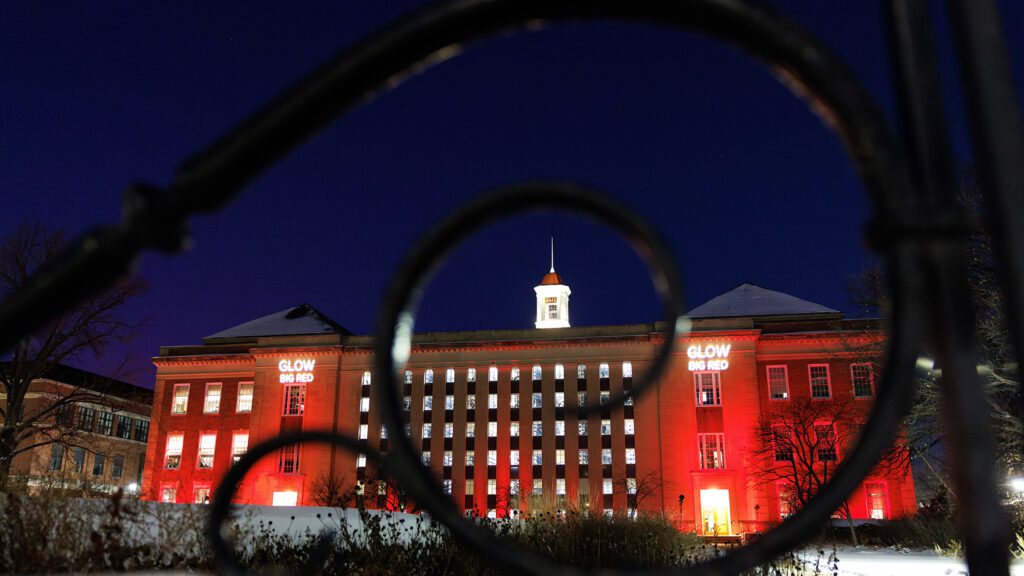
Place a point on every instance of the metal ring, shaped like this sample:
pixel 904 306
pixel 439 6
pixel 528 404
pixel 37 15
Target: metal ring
pixel 396 320
pixel 220 507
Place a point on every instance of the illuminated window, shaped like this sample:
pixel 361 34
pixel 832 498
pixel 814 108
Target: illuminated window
pixel 99 462
pixel 470 459
pixel 581 399
pixel 446 486
pixel 514 373
pixel 492 429
pixel 289 459
pixel 584 456
pixel 179 405
pixel 427 430
pixel 207 445
pixel 201 494
pixel 285 498
pixel 406 403
pixel 470 429
pixel 118 469
pixel 513 487
pixel 628 401
pixel 514 400
pixel 538 458
pixel 383 432
pixel 364 431
pixel 239 445
pixel 604 397
pixel 709 388
pixel 425 457
pixel 364 404
pixel 211 404
pixel 876 500
pixel 536 373
pixel 449 375
pixel 428 376
pixel 492 401
pixel 581 371
pixel 471 402
pixel 560 486
pixel 559 428
pixel 825 442
pixel 408 377
pixel 538 486
pixel 361 461
pixel 782 441
pixel 559 372
pixel 538 429
pixel 630 455
pixel 168 494
pixel 428 403
pixel 513 457
pixel 446 458
pixel 606 486
pixel 449 429
pixel 470 487
pixel 492 487
pixel 513 429
pixel 787 499
pixel 106 424
pixel 606 427
pixel 630 485
pixel 602 371
pixel 630 427
pixel 172 454
pixel 366 379
pixel 537 401
pixel 582 425
pixel 492 373
pixel 862 376
pixel 712 451
pixel 244 403
pixel 778 383
pixel 560 457
pixel 449 402
pixel 559 399
pixel 294 399
pixel 471 375
pixel 606 456
pixel 627 369
pixel 492 457
pixel 820 385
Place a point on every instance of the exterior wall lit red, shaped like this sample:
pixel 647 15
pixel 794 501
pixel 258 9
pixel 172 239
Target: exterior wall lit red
pixel 462 380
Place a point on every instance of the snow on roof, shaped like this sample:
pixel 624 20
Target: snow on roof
pixel 752 300
pixel 301 319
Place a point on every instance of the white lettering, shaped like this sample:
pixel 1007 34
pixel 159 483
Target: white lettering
pixel 299 370
pixel 708 357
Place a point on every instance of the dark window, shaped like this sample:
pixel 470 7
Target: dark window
pixel 79 459
pixel 106 423
pixel 124 427
pixel 86 419
pixel 141 430
pixel 56 457
pixel 118 466
pixel 66 415
pixel 289 460
pixel 98 462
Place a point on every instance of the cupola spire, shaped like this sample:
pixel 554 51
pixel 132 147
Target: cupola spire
pixel 552 298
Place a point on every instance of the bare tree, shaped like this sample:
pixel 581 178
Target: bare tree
pixel 330 489
pixel 87 330
pixel 638 490
pixel 799 444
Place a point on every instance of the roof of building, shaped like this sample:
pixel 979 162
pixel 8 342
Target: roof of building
pixel 752 300
pixel 551 279
pixel 298 320
pixel 91 381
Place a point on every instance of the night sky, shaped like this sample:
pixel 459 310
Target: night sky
pixel 746 184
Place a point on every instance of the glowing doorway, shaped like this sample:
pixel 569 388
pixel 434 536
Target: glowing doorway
pixel 714 511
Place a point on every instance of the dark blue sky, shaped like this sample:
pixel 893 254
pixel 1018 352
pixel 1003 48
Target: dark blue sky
pixel 743 180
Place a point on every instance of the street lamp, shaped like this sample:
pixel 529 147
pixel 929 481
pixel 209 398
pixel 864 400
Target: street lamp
pixel 681 498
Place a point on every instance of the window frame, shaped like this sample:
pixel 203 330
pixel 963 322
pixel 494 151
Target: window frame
pixel 828 381
pixel 716 389
pixel 238 401
pixel 168 453
pixel 212 452
pixel 719 446
pixel 285 397
pixel 174 398
pixel 870 383
pixel 785 380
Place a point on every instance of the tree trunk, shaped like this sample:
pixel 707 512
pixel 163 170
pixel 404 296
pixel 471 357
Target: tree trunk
pixel 853 531
pixel 5 471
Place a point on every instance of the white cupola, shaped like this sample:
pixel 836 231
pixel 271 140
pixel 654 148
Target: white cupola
pixel 552 298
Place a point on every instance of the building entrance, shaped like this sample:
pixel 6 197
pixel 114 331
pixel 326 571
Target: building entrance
pixel 714 511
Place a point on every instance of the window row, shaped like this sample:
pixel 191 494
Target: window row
pixel 207 448
pixel 74 459
pixel 92 420
pixel 818 375
pixel 536 429
pixel 536 458
pixel 822 447
pixel 514 488
pixel 603 371
pixel 211 398
pixel 536 401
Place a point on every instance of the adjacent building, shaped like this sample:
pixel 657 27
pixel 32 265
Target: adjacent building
pixel 93 441
pixel 491 411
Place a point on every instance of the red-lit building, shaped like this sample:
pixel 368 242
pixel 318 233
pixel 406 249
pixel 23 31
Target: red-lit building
pixel 491 410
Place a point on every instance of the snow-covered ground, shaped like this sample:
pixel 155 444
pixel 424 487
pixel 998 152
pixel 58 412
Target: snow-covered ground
pixel 864 561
